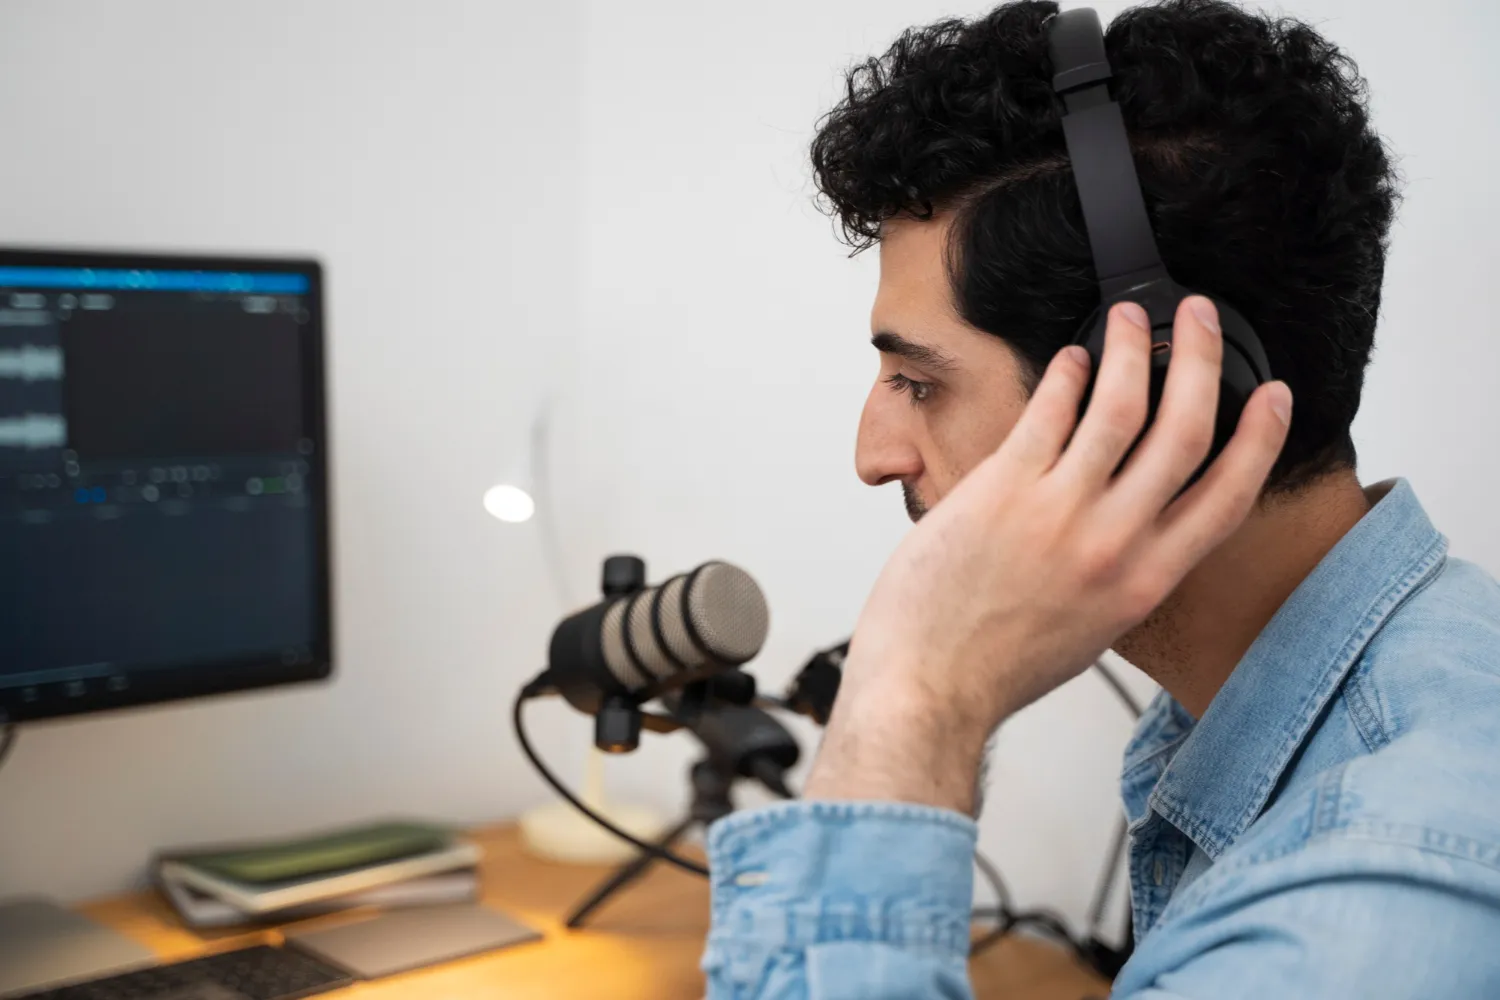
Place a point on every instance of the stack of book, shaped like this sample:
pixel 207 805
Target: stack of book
pixel 389 864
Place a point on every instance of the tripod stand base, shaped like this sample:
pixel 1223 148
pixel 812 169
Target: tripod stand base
pixel 711 802
pixel 626 874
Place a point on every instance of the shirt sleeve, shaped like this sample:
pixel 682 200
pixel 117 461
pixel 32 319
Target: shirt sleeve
pixel 1340 919
pixel 840 900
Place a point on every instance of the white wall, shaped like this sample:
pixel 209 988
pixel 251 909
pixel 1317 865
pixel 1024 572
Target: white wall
pixel 624 186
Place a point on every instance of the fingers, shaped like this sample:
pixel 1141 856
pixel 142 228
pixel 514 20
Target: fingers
pixel 1182 432
pixel 1117 410
pixel 1219 502
pixel 1038 437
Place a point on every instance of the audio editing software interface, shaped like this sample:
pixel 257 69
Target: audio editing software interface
pixel 157 475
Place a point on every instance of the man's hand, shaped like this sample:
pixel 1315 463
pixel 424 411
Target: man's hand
pixel 1041 558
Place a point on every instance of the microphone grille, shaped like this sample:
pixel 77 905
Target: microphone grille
pixel 616 657
pixel 728 612
pixel 713 615
pixel 675 638
pixel 643 637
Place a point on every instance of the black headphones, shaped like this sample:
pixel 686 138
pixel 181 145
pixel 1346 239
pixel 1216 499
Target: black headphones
pixel 1120 237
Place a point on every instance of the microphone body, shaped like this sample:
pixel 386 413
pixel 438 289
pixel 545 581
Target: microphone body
pixel 746 741
pixel 639 637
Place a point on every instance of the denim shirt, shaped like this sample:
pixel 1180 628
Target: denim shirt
pixel 1329 828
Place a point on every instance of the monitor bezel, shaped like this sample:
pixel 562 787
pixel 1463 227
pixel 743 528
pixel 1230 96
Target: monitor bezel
pixel 157 684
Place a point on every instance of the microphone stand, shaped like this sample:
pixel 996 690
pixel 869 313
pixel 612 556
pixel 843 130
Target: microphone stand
pixel 741 741
pixel 711 802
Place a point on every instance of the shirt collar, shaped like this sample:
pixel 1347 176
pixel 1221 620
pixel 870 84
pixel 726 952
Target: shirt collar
pixel 1227 764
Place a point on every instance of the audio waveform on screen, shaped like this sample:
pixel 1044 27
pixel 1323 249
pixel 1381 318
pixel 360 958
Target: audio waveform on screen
pixel 34 431
pixel 31 363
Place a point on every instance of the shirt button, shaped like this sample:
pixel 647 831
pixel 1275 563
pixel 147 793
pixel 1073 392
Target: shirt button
pixel 1159 873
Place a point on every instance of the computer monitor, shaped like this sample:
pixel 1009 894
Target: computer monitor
pixel 163 479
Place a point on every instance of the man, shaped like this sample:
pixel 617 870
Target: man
pixel 1315 796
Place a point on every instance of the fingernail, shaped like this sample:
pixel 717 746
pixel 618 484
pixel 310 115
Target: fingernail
pixel 1281 401
pixel 1205 311
pixel 1133 313
pixel 1078 355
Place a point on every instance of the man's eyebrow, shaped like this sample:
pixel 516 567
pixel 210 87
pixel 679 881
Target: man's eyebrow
pixel 927 357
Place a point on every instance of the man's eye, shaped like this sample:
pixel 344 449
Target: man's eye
pixel 920 391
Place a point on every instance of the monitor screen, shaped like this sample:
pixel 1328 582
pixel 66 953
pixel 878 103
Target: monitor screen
pixel 163 482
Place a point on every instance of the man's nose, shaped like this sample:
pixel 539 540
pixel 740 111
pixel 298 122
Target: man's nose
pixel 883 451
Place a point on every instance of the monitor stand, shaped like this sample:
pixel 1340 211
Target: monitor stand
pixel 42 944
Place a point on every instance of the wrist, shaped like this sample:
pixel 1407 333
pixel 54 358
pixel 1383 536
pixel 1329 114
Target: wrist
pixel 900 748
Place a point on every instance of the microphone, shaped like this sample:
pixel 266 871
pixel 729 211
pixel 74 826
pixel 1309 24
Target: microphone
pixel 612 654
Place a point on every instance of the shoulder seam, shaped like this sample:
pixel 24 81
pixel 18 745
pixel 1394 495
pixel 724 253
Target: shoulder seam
pixel 1425 839
pixel 1362 711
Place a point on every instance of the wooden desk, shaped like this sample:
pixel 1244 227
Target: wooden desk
pixel 643 945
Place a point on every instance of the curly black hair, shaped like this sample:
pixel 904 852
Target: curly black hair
pixel 1263 177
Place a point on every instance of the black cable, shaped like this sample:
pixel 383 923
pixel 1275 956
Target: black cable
pixel 1051 923
pixel 1105 958
pixel 1000 911
pixel 997 884
pixel 1106 882
pixel 8 733
pixel 1041 920
pixel 991 937
pixel 656 851
pixel 1119 688
pixel 1107 879
pixel 1045 920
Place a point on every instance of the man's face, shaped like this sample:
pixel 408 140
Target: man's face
pixel 947 393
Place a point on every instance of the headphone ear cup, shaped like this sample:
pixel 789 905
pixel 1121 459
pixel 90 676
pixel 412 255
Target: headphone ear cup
pixel 1241 335
pixel 1244 369
pixel 1090 336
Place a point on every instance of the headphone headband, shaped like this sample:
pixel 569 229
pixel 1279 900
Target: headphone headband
pixel 1114 212
pixel 1121 240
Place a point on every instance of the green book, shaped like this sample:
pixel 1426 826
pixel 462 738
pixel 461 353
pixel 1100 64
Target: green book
pixel 319 854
